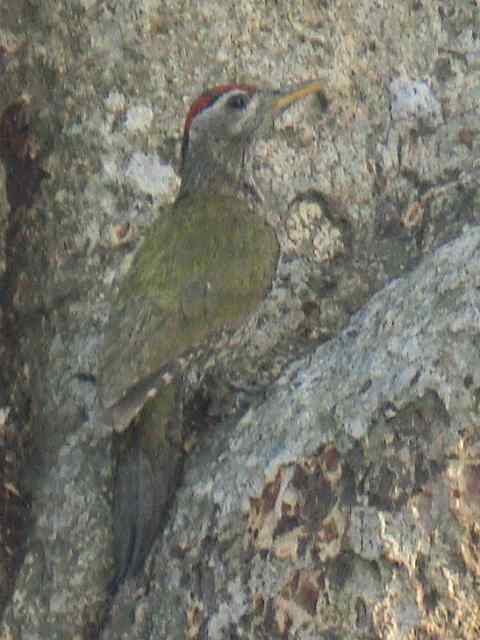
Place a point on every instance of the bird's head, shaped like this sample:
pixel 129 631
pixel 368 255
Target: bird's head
pixel 221 127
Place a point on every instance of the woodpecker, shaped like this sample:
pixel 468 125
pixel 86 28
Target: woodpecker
pixel 204 267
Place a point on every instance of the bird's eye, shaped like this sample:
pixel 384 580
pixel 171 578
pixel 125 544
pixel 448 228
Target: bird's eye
pixel 238 101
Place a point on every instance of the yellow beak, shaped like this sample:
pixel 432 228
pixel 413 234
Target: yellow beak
pixel 289 96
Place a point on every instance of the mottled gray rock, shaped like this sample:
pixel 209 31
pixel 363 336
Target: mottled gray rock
pixel 362 521
pixel 339 494
pixel 3 221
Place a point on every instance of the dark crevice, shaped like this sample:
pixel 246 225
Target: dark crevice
pixel 19 155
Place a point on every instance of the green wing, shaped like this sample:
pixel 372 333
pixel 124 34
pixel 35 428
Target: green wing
pixel 204 265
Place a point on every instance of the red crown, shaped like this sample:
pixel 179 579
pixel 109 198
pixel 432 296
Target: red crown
pixel 204 101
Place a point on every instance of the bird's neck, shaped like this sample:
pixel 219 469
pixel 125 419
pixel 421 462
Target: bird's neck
pixel 225 171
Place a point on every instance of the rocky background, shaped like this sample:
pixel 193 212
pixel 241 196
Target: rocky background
pixel 345 502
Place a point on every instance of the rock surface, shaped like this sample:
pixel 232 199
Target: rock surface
pixel 343 500
pixel 339 504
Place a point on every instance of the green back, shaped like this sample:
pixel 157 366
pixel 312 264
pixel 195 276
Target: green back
pixel 205 264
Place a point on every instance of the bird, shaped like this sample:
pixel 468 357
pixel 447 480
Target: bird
pixel 206 264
